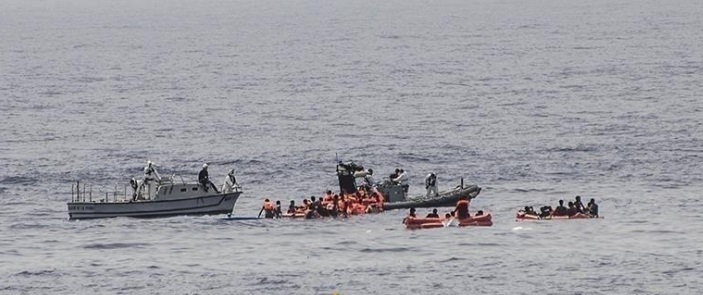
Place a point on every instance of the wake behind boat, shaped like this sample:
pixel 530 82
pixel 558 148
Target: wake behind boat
pixel 157 197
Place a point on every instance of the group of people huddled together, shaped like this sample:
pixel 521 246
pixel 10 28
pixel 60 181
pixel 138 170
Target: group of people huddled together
pixel 461 211
pixel 574 208
pixel 329 205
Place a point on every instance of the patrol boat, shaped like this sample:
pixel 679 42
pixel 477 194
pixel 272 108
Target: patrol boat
pixel 150 199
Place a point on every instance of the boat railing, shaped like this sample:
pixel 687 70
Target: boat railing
pixel 85 194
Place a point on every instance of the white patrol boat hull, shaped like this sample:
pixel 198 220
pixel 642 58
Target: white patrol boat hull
pixel 200 205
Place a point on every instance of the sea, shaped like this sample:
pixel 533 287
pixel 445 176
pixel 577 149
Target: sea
pixel 534 101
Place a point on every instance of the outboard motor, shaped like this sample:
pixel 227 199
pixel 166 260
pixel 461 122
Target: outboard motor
pixel 345 174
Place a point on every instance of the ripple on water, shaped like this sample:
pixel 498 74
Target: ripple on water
pixel 108 246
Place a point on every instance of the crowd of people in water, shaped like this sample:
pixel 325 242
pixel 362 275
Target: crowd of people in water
pixel 461 211
pixel 574 208
pixel 329 205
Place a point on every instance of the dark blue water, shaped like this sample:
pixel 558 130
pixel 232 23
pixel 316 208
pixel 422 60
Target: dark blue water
pixel 534 101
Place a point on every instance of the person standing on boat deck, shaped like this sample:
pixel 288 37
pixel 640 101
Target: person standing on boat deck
pixel 431 185
pixel 402 179
pixel 150 172
pixel 230 182
pixel 204 179
pixel 150 175
pixel 370 181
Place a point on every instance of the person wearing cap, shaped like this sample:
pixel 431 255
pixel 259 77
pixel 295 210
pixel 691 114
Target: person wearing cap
pixel 204 179
pixel 230 182
pixel 431 185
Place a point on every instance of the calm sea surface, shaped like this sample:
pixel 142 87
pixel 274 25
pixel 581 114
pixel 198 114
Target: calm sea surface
pixel 532 100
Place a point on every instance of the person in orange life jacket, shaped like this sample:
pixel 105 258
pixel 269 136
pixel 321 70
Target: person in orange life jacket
pixel 268 209
pixel 462 208
pixel 433 214
pixel 327 197
pixel 560 210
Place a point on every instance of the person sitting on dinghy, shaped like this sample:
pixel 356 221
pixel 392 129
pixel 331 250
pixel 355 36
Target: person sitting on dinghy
pixel 291 207
pixel 593 208
pixel 579 206
pixel 571 211
pixel 530 211
pixel 277 212
pixel 433 214
pixel 462 208
pixel 411 215
pixel 546 211
pixel 204 179
pixel 560 210
pixel 268 208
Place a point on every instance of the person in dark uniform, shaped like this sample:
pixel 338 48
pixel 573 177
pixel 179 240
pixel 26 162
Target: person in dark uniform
pixel 204 179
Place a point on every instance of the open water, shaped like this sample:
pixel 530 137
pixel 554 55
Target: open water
pixel 532 100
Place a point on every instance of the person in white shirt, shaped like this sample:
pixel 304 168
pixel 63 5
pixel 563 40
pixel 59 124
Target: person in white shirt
pixel 431 185
pixel 403 180
pixel 230 182
pixel 150 172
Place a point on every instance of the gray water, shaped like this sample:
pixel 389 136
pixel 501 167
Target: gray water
pixel 535 101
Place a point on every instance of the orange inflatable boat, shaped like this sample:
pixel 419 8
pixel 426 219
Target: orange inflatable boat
pixel 421 223
pixel 522 216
